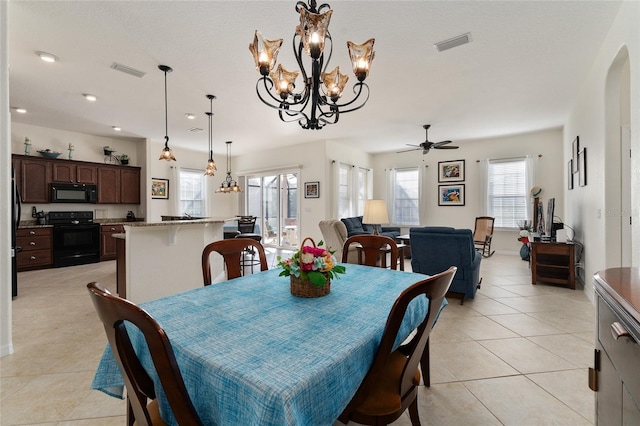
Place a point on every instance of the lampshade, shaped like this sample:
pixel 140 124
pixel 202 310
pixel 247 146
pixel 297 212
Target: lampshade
pixel 375 212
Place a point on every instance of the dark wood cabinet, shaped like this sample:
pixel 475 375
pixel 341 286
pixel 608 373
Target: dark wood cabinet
pixel 615 376
pixel 108 242
pixel 130 186
pixel 116 184
pixel 74 172
pixel 36 248
pixel 35 176
pixel 108 185
pixel 553 263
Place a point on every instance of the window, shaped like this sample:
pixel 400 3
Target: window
pixel 352 189
pixel 192 193
pixel 507 193
pixel 405 196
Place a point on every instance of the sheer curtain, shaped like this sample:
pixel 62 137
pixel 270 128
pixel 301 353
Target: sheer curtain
pixel 174 186
pixel 531 167
pixel 391 184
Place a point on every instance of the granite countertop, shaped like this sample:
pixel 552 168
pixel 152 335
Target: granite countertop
pixel 32 224
pixel 178 222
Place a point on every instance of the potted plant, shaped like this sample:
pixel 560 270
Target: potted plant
pixel 124 159
pixel 108 150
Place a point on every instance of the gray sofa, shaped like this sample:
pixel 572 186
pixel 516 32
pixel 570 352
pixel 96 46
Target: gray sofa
pixel 356 227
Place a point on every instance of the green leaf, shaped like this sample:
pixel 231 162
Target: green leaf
pixel 317 278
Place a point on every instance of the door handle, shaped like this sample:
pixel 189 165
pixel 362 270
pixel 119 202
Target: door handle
pixel 618 331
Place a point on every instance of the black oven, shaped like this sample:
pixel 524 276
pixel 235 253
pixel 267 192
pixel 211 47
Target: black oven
pixel 76 239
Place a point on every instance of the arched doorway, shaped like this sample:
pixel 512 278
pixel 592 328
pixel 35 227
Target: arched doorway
pixel 618 162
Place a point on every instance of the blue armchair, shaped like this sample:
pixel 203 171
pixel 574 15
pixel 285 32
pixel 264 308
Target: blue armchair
pixel 356 227
pixel 435 248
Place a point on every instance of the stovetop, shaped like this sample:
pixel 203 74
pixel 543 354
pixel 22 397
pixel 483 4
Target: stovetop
pixel 71 218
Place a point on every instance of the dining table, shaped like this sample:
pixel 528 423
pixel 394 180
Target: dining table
pixel 251 353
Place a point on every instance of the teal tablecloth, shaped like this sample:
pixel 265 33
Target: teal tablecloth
pixel 253 354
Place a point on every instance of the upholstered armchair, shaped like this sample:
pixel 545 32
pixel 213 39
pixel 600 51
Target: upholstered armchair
pixel 356 227
pixel 334 235
pixel 436 248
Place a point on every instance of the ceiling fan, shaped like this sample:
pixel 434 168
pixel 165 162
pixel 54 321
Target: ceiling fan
pixel 427 145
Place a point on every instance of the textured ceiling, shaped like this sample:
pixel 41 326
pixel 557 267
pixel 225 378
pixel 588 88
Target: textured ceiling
pixel 519 74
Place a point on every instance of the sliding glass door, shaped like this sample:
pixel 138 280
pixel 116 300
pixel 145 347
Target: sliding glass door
pixel 273 199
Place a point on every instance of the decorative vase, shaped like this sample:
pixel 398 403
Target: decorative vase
pixel 524 252
pixel 305 288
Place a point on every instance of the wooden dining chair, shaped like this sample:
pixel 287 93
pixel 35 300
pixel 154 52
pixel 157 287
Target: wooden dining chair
pixel 232 252
pixel 391 385
pixel 374 247
pixel 113 312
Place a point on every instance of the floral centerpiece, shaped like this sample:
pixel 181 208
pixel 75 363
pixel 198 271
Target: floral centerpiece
pixel 311 269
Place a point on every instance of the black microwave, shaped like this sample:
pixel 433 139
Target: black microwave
pixel 73 193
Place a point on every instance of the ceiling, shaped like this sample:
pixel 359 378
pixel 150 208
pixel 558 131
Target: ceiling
pixel 520 73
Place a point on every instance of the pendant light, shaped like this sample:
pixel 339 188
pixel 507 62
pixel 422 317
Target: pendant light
pixel 229 185
pixel 211 165
pixel 167 153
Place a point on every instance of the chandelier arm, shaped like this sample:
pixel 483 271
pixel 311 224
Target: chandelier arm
pixel 359 85
pixel 298 55
pixel 268 85
pixel 282 106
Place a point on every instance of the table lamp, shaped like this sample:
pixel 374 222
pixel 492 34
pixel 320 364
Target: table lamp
pixel 375 213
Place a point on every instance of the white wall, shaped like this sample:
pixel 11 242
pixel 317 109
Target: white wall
pixel 550 176
pixel 585 207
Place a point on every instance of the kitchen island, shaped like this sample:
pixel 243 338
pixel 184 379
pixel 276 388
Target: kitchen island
pixel 164 258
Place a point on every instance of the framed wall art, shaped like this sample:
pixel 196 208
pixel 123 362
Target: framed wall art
pixel 451 195
pixel 575 147
pixel 160 188
pixel 312 190
pixel 570 174
pixel 451 171
pixel 582 167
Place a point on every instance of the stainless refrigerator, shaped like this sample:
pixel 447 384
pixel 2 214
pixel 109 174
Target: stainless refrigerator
pixel 16 210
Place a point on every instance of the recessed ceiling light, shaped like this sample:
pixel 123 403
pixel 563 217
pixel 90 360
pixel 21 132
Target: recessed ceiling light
pixel 21 110
pixel 190 116
pixel 89 97
pixel 47 57
pixel 116 128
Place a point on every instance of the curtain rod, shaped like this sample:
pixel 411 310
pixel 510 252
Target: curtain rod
pixel 351 165
pixel 271 169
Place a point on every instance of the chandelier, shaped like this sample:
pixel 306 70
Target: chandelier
pixel 167 153
pixel 276 87
pixel 229 184
pixel 211 165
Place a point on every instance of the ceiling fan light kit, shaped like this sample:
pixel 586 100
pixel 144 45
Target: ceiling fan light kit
pixel 313 106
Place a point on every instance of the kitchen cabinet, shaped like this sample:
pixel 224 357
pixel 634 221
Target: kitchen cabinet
pixel 36 248
pixel 615 376
pixel 107 242
pixel 553 263
pixel 35 176
pixel 72 172
pixel 116 184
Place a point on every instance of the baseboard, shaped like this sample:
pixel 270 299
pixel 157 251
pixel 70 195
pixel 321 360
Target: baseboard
pixel 6 350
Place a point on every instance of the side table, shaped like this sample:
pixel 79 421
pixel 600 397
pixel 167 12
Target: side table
pixel 406 240
pixel 553 263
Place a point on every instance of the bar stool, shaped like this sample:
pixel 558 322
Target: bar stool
pixel 248 258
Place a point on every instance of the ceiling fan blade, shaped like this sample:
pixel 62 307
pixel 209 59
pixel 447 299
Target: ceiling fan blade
pixel 441 143
pixel 407 150
pixel 410 144
pixel 444 147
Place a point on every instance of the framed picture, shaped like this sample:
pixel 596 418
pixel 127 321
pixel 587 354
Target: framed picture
pixel 451 195
pixel 582 167
pixel 312 190
pixel 451 171
pixel 575 147
pixel 160 188
pixel 570 174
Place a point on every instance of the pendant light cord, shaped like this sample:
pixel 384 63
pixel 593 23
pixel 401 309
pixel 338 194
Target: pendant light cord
pixel 166 113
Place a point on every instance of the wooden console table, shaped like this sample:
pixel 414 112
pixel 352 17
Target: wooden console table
pixel 553 263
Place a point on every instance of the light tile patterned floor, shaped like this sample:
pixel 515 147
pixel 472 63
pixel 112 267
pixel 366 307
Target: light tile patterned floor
pixel 516 355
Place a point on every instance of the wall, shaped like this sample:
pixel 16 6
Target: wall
pixel 87 148
pixel 550 176
pixel 586 207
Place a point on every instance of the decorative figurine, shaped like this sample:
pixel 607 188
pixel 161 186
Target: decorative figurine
pixel 27 146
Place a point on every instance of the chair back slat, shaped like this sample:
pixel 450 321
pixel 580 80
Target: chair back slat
pixel 231 251
pixel 246 224
pixel 113 311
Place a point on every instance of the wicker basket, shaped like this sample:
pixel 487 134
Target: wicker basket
pixel 305 288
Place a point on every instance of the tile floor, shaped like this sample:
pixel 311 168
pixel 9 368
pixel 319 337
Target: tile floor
pixel 516 355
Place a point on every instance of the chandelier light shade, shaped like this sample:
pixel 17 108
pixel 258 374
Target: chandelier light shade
pixel 211 165
pixel 167 153
pixel 229 184
pixel 315 104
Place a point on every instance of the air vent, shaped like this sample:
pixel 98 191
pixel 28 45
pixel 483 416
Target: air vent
pixel 453 42
pixel 128 70
pixel 196 130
